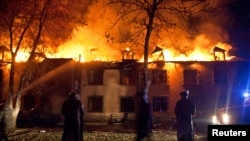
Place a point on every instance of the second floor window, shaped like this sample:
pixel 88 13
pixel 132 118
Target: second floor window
pixel 127 77
pixel 190 77
pixel 95 77
pixel 159 77
pixel 220 77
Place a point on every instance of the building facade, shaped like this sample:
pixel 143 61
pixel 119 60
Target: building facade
pixel 109 89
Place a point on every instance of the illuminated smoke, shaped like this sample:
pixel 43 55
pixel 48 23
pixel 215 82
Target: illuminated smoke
pixel 205 33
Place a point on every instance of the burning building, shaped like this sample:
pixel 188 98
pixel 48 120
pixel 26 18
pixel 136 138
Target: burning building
pixel 108 89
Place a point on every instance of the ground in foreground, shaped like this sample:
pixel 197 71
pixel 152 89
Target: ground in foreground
pixel 56 134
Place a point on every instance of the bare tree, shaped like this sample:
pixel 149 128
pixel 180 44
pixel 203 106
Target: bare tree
pixel 143 20
pixel 31 26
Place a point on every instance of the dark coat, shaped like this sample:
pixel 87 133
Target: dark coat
pixel 73 112
pixel 184 110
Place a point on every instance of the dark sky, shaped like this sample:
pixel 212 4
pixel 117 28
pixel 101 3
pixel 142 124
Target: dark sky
pixel 240 31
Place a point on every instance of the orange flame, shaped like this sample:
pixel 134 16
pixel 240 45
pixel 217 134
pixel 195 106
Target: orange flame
pixel 199 52
pixel 93 47
pixel 22 56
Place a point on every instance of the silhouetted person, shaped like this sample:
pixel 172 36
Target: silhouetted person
pixel 184 110
pixel 73 112
pixel 144 119
pixel 3 135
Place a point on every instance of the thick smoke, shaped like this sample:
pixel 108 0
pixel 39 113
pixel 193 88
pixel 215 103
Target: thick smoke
pixel 201 32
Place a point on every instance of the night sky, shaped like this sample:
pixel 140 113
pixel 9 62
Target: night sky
pixel 240 30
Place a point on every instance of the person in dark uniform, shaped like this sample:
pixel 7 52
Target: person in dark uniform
pixel 144 119
pixel 73 112
pixel 184 111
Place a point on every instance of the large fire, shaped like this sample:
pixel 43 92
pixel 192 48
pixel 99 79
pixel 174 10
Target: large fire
pixel 94 48
pixel 202 50
pixel 90 46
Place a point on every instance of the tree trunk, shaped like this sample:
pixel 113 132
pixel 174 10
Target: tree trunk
pixel 147 81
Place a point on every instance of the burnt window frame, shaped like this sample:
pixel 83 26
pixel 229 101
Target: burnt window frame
pixel 95 76
pixel 125 101
pixel 127 77
pixel 159 77
pixel 160 103
pixel 95 104
pixel 190 77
